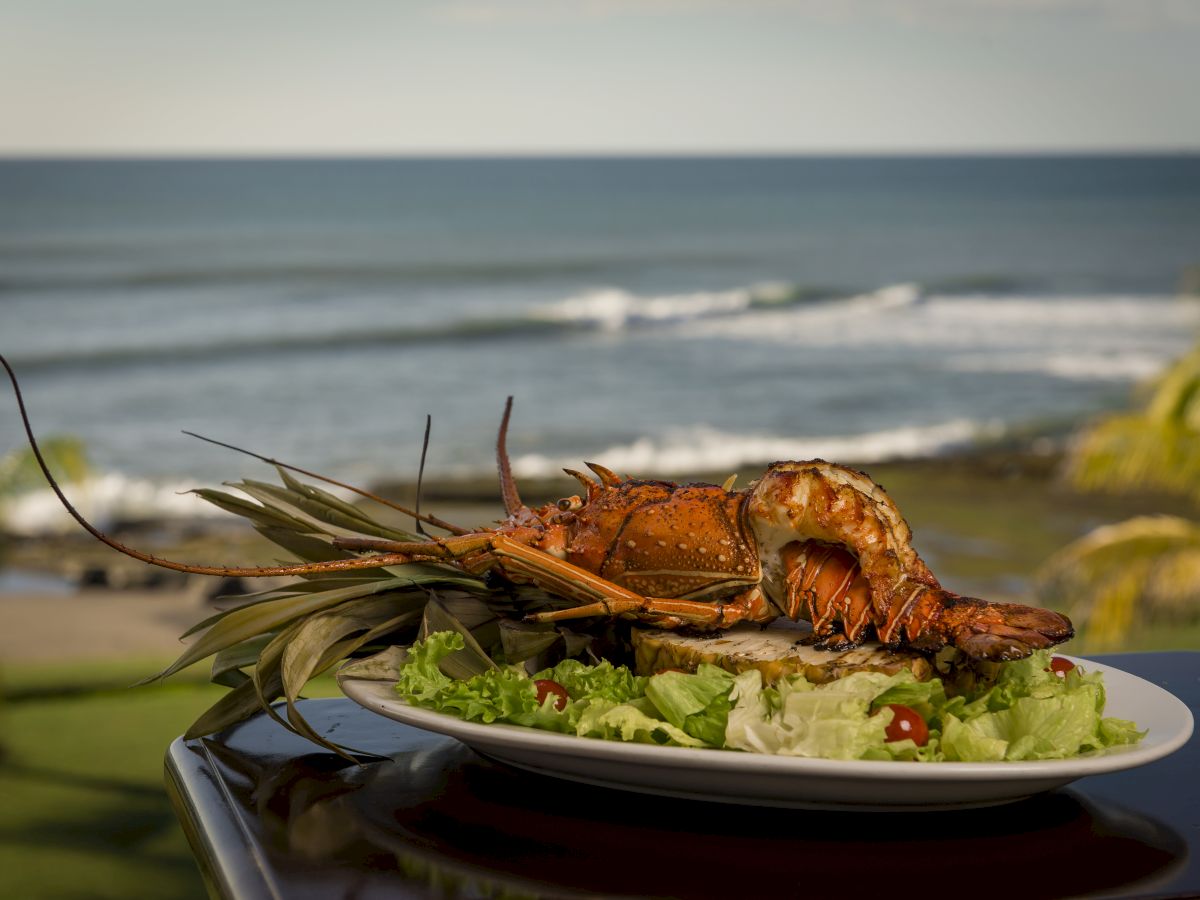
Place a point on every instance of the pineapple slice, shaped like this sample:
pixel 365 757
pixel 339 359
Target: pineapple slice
pixel 775 651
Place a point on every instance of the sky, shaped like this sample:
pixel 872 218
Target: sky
pixel 405 77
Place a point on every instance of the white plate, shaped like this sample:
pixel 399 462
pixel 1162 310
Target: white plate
pixel 762 780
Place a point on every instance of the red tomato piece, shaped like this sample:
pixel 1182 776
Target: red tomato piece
pixel 1060 666
pixel 906 724
pixel 546 687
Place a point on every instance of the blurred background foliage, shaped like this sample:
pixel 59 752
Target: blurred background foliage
pixel 1121 578
pixel 19 471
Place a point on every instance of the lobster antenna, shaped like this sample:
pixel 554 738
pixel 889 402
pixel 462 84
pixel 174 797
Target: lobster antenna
pixel 421 474
pixel 508 487
pixel 432 520
pixel 249 571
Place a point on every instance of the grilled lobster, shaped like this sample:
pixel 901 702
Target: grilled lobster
pixel 808 539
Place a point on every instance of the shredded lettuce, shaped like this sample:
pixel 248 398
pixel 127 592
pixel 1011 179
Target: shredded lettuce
pixel 1028 712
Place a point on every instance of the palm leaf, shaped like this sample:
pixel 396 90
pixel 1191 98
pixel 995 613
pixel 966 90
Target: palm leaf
pixel 1118 576
pixel 1128 453
pixel 1156 448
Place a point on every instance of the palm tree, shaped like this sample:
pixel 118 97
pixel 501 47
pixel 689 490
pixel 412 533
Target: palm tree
pixel 1147 569
pixel 1157 448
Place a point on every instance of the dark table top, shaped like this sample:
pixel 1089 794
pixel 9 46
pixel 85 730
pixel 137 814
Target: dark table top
pixel 271 815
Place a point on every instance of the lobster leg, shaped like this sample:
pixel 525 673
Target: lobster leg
pixel 749 605
pixel 597 596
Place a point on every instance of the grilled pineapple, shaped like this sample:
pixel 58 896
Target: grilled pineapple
pixel 775 651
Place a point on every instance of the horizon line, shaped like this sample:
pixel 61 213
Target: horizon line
pixel 529 154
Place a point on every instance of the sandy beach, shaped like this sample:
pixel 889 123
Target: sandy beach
pixel 97 624
pixel 71 599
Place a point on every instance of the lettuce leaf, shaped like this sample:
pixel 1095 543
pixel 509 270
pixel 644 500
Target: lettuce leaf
pixel 1027 712
pixel 499 695
pixel 606 701
pixel 796 718
pixel 1032 713
pixel 636 721
pixel 697 704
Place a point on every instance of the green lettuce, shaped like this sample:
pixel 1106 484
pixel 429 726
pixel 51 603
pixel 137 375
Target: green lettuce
pixel 697 704
pixel 1027 712
pixel 605 701
pixel 638 720
pixel 1034 714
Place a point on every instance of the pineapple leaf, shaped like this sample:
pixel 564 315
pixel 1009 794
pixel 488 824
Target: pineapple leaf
pixel 247 622
pixel 472 659
pixel 227 665
pixel 304 545
pixel 252 511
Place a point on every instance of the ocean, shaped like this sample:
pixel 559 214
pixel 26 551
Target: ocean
pixel 660 316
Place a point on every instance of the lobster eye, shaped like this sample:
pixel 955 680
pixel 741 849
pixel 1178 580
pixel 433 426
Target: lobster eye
pixel 570 504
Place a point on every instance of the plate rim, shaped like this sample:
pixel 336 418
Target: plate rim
pixel 367 692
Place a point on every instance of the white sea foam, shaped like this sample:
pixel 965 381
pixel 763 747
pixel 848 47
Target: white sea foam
pixel 1070 337
pixel 704 449
pixel 1117 366
pixel 892 315
pixel 102 500
pixel 612 309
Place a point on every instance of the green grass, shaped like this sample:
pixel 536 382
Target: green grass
pixel 84 811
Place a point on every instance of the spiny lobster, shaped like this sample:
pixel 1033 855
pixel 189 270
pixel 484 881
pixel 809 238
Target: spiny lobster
pixel 808 539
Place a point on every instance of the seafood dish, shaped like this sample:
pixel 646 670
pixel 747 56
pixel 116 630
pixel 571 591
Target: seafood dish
pixel 807 541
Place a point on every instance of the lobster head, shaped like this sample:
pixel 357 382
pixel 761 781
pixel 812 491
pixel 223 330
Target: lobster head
pixel 657 538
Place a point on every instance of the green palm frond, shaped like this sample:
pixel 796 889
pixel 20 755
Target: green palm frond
pixel 20 472
pixel 1157 448
pixel 1120 576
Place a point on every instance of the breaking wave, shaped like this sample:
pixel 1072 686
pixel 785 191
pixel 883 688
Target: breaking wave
pixel 608 309
pixel 612 309
pixel 701 448
pixel 103 500
pixel 110 498
pixel 1082 338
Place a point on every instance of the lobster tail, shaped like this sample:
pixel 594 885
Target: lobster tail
pixel 834 544
pixel 929 618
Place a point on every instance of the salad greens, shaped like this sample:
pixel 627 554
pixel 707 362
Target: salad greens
pixel 1028 712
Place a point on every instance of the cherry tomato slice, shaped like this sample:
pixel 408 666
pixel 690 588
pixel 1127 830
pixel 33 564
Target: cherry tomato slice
pixel 1060 666
pixel 546 687
pixel 906 723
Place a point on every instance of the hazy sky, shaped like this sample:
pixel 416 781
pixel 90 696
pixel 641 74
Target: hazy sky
pixel 580 76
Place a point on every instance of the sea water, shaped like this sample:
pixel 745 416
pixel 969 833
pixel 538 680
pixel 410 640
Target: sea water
pixel 659 316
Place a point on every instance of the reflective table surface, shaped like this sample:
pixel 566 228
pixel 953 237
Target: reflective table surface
pixel 270 815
